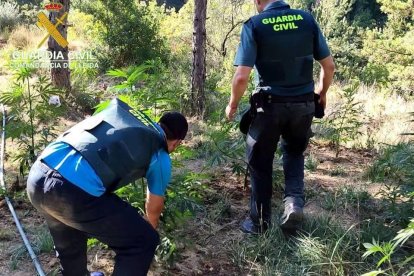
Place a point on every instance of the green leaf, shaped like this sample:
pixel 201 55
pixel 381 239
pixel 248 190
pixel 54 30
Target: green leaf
pixel 383 259
pixel 138 74
pixel 117 73
pixel 373 273
pixel 101 106
pixel 12 97
pixel 126 99
pixel 408 260
pixel 122 86
pixel 404 234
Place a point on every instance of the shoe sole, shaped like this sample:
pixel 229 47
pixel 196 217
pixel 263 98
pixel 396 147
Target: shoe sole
pixel 248 231
pixel 253 230
pixel 293 222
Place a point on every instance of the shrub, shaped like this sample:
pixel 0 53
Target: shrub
pixel 84 28
pixel 344 122
pixel 129 35
pixel 9 15
pixel 148 87
pixel 395 163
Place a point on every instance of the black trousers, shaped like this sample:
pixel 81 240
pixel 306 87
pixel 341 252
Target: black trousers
pixel 292 122
pixel 73 215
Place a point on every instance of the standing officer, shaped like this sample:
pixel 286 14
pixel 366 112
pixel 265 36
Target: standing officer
pixel 281 43
pixel 73 180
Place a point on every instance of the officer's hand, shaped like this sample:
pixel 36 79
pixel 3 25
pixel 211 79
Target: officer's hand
pixel 322 100
pixel 153 207
pixel 230 112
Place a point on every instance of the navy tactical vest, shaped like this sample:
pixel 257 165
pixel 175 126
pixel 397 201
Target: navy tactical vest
pixel 118 145
pixel 284 39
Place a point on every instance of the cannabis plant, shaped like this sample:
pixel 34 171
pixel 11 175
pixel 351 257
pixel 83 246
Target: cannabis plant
pixel 30 117
pixel 147 87
pixel 387 250
pixel 345 121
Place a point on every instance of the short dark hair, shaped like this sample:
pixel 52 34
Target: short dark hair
pixel 174 125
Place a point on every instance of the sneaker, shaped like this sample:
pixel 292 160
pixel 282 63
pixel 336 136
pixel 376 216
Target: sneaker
pixel 292 217
pixel 97 273
pixel 249 227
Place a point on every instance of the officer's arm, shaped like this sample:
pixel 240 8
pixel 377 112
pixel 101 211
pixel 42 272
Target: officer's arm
pixel 325 78
pixel 153 206
pixel 323 56
pixel 239 86
pixel 245 60
pixel 158 177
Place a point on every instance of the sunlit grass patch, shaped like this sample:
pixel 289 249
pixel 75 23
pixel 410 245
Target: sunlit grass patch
pixel 346 199
pixel 338 171
pixel 323 248
pixel 25 37
pixel 43 242
pixel 386 117
pixel 18 255
pixel 311 162
pixel 6 234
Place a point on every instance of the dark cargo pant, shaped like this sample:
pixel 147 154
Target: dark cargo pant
pixel 291 121
pixel 73 215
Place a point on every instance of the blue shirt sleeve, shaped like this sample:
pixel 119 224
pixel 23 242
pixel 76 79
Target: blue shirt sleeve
pixel 73 167
pixel 247 51
pixel 159 173
pixel 320 47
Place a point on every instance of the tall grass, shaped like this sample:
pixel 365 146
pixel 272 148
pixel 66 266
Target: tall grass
pixel 395 163
pixel 323 248
pixel 394 167
pixel 25 37
pixel 346 199
pixel 385 117
pixel 43 242
pixel 311 162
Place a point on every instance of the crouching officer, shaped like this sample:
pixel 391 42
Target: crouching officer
pixel 281 43
pixel 73 180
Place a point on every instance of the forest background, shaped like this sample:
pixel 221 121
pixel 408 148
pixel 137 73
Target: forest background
pixel 360 181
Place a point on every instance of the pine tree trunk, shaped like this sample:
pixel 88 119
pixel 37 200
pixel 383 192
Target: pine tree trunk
pixel 198 75
pixel 60 72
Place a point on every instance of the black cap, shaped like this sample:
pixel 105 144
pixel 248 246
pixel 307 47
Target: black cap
pixel 174 125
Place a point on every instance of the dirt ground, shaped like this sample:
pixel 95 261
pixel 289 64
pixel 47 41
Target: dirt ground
pixel 205 247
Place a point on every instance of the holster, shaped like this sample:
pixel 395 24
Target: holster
pixel 248 114
pixel 319 111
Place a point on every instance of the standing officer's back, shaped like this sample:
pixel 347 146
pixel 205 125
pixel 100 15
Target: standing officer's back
pixel 285 49
pixel 281 43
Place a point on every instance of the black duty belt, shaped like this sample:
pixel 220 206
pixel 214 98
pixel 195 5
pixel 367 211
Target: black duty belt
pixel 270 98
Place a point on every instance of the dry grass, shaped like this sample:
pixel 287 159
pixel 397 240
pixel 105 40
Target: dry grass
pixel 385 116
pixel 25 37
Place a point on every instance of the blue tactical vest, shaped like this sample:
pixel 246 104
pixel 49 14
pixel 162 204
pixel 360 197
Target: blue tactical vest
pixel 118 145
pixel 284 39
